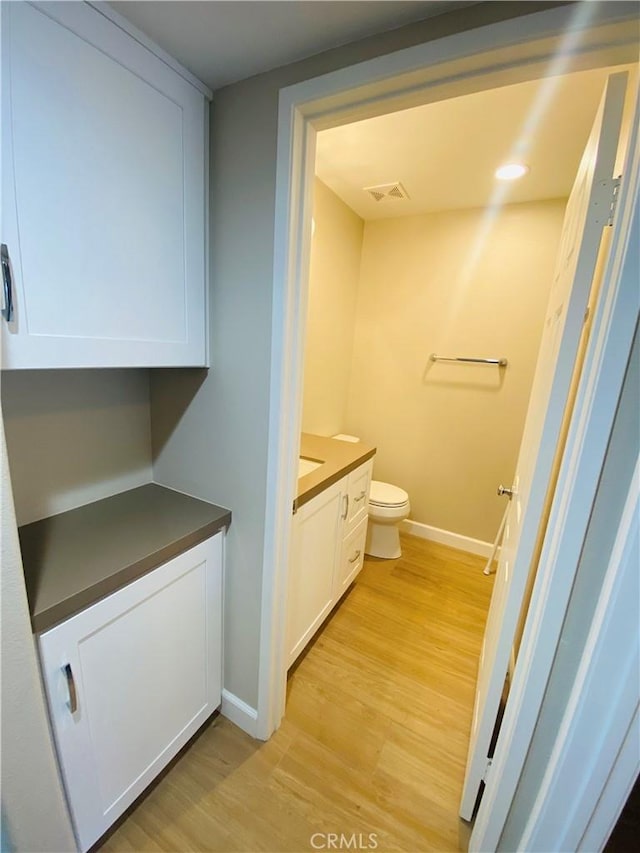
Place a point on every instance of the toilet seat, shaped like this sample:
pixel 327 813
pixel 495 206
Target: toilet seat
pixel 384 494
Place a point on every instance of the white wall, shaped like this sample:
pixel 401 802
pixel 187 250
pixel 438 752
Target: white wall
pixel 452 284
pixel 75 436
pixel 334 272
pixel 34 811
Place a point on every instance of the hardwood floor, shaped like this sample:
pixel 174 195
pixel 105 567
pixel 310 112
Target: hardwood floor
pixel 375 734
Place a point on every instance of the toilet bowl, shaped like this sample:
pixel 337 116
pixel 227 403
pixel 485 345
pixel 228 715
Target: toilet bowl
pixel 388 506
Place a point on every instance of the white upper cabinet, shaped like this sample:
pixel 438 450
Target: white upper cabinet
pixel 103 196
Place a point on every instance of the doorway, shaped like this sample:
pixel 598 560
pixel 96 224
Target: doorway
pixel 455 263
pixel 442 281
pixel 293 266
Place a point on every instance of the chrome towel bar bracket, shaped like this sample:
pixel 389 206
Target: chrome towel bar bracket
pixel 500 362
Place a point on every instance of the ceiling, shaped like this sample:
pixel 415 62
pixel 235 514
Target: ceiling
pixel 222 42
pixel 445 154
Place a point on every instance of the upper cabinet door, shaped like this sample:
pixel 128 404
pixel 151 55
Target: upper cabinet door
pixel 103 196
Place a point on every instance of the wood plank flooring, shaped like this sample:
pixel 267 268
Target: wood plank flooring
pixel 375 734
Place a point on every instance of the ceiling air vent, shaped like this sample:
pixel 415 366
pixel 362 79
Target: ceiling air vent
pixel 394 190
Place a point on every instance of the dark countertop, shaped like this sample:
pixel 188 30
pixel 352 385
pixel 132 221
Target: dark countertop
pixel 338 458
pixel 76 558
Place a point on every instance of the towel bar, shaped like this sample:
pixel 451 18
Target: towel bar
pixel 500 362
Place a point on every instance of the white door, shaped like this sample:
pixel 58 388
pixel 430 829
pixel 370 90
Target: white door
pixel 130 679
pixel 587 213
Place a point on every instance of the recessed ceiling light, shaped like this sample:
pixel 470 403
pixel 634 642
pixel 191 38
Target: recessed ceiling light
pixel 511 171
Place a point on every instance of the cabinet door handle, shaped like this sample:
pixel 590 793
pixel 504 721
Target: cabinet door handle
pixel 362 494
pixel 7 283
pixel 346 507
pixel 71 686
pixel 355 557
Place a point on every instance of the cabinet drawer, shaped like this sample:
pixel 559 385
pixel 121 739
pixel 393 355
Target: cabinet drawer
pixel 130 679
pixel 358 490
pixel 352 558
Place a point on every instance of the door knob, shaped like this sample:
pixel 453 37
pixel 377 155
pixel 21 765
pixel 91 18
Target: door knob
pixel 502 490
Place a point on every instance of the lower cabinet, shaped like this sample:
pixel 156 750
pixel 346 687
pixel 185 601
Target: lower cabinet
pixel 327 553
pixel 130 679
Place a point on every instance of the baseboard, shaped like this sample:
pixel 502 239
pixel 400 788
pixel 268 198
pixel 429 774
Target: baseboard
pixel 243 715
pixel 446 537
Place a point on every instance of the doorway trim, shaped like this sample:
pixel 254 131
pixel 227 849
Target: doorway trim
pixel 489 56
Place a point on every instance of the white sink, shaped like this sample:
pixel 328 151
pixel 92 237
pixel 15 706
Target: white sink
pixel 306 465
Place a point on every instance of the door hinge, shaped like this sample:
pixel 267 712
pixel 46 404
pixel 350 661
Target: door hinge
pixel 615 192
pixel 294 508
pixel 485 775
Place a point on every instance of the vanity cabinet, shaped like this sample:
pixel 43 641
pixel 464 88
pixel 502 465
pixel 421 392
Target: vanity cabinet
pixel 103 196
pixel 130 679
pixel 327 554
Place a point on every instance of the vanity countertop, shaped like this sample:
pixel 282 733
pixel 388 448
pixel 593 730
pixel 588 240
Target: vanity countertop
pixel 338 459
pixel 76 558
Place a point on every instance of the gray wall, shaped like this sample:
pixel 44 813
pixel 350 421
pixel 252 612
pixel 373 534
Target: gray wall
pixel 34 812
pixel 210 438
pixel 603 525
pixel 75 436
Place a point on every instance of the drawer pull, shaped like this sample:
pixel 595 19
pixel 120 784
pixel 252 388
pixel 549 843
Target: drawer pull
pixel 362 495
pixel 355 557
pixel 7 284
pixel 71 686
pixel 346 507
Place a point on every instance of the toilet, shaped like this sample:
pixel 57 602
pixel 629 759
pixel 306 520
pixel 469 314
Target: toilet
pixel 388 506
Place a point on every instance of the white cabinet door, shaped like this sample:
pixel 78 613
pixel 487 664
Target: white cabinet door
pixel 103 194
pixel 130 680
pixel 317 537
